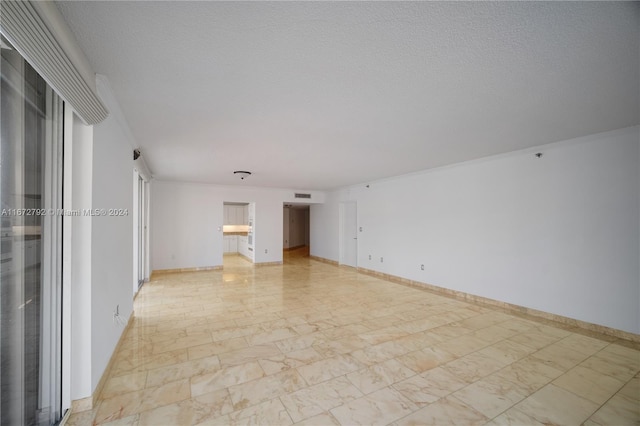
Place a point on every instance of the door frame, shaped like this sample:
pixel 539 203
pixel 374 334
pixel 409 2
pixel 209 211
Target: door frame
pixel 345 235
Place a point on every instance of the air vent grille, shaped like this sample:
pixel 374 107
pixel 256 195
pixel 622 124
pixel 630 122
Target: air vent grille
pixel 300 195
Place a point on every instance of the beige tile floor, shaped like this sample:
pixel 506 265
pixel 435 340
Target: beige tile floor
pixel 313 344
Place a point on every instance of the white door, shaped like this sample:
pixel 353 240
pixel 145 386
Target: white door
pixel 349 234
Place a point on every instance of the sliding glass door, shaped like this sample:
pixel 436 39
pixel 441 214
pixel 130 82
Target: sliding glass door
pixel 31 129
pixel 142 230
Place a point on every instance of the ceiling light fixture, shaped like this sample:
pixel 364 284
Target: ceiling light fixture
pixel 242 173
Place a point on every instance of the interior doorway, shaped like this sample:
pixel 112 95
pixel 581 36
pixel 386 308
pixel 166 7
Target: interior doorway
pixel 141 237
pixel 296 227
pixel 238 232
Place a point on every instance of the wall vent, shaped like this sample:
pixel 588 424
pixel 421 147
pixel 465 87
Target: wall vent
pixel 299 195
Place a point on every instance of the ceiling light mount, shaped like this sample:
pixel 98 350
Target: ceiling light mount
pixel 242 173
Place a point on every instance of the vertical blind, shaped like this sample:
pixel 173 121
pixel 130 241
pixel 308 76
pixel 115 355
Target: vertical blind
pixel 25 25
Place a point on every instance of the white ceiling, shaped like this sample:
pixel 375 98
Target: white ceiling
pixel 324 95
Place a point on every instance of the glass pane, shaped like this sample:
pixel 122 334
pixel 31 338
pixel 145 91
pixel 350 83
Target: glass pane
pixel 25 333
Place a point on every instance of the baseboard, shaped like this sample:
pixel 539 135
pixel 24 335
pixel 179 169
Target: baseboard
pixel 268 263
pixel 293 248
pixel 506 307
pixel 160 272
pixel 324 260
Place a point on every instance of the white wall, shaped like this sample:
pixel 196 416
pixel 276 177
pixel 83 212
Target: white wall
pixel 324 220
pixel 184 226
pixel 297 228
pixel 77 255
pixel 111 248
pixel 286 213
pixel 306 217
pixel 559 234
pixel 187 219
pixel 100 252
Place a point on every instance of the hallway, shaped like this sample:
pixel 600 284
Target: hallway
pixel 311 343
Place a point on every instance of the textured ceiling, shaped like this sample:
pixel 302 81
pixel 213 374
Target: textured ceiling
pixel 323 95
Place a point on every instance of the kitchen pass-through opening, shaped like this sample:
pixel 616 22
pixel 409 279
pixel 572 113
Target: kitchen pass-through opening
pixel 238 232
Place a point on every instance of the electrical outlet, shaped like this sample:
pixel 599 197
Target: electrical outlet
pixel 266 251
pixel 381 259
pixel 422 267
pixel 369 257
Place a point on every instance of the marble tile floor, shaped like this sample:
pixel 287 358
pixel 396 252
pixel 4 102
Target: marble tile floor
pixel 308 343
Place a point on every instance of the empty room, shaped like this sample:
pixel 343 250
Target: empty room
pixel 320 213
